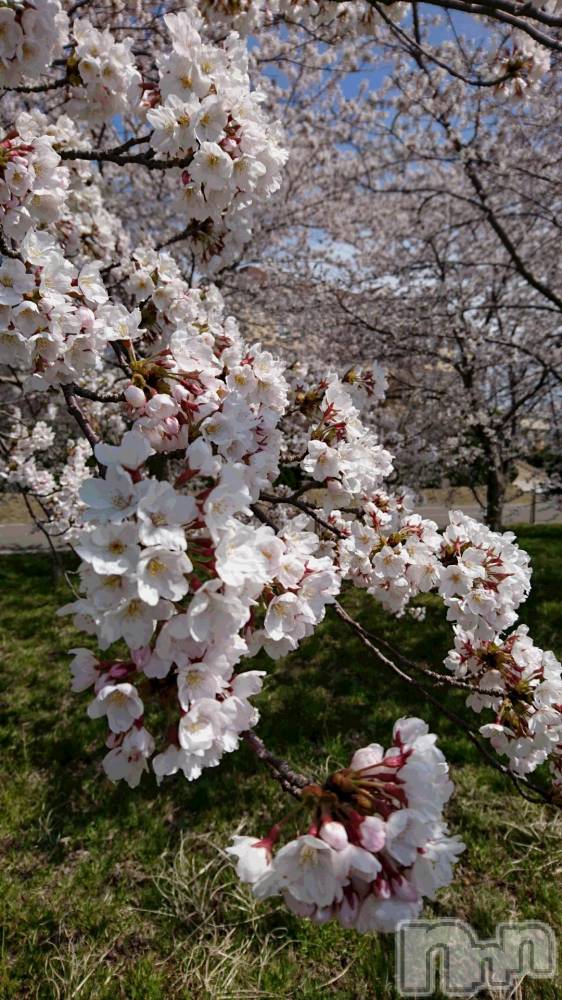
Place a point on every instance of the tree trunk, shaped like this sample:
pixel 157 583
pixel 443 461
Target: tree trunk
pixel 495 497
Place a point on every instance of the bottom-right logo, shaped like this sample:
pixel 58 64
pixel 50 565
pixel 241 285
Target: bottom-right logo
pixel 467 964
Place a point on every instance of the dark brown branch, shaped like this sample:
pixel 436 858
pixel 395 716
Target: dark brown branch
pixel 530 278
pixel 417 51
pixel 82 421
pixel 290 781
pixel 523 10
pixel 121 159
pixel 96 397
pixel 436 678
pixel 502 12
pixel 184 235
pixel 58 567
pixel 5 250
pixel 293 501
pixel 38 88
pixel 76 6
pixel 261 516
pixel 133 141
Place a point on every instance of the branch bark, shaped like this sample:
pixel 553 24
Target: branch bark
pixel 291 781
pixel 82 421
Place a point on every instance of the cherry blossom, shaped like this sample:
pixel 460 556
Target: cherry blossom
pixel 221 497
pixel 377 844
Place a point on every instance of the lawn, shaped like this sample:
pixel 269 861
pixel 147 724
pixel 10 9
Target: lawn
pixel 117 894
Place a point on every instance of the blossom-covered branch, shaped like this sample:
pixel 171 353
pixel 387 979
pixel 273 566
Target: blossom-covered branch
pixel 230 496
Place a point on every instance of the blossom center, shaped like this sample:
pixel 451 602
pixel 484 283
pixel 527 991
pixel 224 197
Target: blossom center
pixel 308 856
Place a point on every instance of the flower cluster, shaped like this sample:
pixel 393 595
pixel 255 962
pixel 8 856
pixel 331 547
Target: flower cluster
pixel 194 594
pixel 176 577
pixel 383 547
pixel 31 465
pixel 334 19
pixel 522 61
pixel 32 33
pixel 105 79
pixel 186 580
pixel 86 228
pixel 211 120
pixel 296 601
pixel 224 506
pixel 483 578
pixel 166 305
pixel 36 463
pixel 524 65
pixel 390 552
pixel 33 185
pixel 522 684
pixel 342 453
pixel 80 219
pixel 377 844
pixel 196 370
pixel 51 320
pixel 21 468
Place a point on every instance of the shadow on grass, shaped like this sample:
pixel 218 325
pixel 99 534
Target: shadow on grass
pixel 78 844
pixel 319 703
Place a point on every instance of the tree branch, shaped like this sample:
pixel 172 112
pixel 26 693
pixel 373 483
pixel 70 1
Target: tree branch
pixel 82 421
pixel 536 283
pixel 293 501
pixel 290 781
pixel 121 159
pixel 522 785
pixel 96 397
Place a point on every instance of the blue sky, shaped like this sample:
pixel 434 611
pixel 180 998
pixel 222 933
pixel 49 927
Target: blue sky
pixel 473 28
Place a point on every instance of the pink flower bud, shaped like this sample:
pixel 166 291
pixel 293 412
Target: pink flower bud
pixel 179 392
pixel 372 833
pixel 334 834
pixel 367 756
pixel 118 671
pixel 172 426
pixel 135 396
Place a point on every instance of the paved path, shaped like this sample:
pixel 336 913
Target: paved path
pixel 24 538
pixel 27 538
pixel 515 513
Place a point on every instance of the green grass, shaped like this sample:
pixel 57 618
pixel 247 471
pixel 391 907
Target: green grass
pixel 111 893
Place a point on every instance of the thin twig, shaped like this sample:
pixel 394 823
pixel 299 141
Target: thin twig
pixel 290 781
pixel 522 785
pixel 294 501
pixel 82 421
pixel 96 397
pixel 58 566
pixel 37 88
pixel 6 250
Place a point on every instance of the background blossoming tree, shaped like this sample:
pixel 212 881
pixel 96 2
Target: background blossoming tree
pixel 218 500
pixel 437 255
